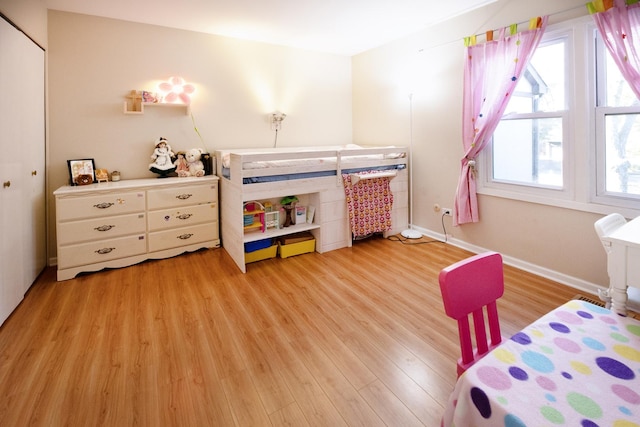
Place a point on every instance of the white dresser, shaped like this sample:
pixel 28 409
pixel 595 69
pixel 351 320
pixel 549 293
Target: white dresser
pixel 117 224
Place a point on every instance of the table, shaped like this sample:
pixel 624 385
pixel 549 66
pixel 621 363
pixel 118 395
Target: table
pixel 578 365
pixel 624 263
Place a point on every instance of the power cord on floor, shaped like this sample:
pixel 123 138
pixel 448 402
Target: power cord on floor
pixel 406 241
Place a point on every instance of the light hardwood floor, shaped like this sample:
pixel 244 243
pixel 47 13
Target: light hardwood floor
pixel 356 336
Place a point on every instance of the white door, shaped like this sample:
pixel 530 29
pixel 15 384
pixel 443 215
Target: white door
pixel 33 140
pixel 22 238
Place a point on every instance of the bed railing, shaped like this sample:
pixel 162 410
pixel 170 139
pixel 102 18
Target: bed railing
pixel 265 163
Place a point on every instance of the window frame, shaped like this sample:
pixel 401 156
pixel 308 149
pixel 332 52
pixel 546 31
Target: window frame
pixel 583 149
pixel 531 191
pixel 600 194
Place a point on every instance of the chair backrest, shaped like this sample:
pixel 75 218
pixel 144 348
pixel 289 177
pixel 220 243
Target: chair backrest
pixel 469 287
pixel 607 225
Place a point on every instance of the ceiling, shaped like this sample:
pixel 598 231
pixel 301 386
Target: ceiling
pixel 344 27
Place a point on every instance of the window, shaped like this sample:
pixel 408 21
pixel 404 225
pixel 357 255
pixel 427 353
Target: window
pixel 528 144
pixel 570 135
pixel 617 134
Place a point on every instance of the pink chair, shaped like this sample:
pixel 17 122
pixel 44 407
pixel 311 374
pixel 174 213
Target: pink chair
pixel 467 287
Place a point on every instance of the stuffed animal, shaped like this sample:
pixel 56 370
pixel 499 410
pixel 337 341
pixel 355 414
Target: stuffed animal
pixel 194 162
pixel 162 158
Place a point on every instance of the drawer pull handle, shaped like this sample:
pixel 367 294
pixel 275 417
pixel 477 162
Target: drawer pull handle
pixel 185 236
pixel 183 196
pixel 104 251
pixel 104 205
pixel 104 227
pixel 184 216
pixel 34 173
pixel 6 184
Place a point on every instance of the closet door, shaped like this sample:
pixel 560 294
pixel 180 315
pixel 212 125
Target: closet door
pixel 32 140
pixel 22 213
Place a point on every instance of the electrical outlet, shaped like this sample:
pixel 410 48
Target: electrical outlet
pixel 447 211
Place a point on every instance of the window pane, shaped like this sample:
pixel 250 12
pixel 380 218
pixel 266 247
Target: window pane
pixel 619 94
pixel 541 88
pixel 622 147
pixel 528 151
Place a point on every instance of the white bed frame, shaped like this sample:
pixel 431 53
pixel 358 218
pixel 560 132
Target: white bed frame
pixel 330 225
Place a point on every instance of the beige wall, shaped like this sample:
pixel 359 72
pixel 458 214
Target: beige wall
pixel 557 242
pixel 30 16
pixel 329 100
pixel 94 62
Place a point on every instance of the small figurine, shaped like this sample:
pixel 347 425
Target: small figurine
pixel 162 159
pixel 288 205
pixel 182 168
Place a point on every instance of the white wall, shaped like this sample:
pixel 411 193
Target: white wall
pixel 560 242
pixel 94 63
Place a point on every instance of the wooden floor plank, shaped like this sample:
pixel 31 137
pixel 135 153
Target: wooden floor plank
pixel 356 336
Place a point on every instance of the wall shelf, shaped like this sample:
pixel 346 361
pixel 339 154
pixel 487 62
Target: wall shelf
pixel 142 105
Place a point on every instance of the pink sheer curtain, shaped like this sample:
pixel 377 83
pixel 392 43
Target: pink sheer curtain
pixel 619 26
pixel 491 73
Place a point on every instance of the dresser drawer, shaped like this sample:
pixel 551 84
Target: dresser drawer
pixel 182 217
pixel 107 204
pixel 100 228
pixel 100 251
pixel 174 238
pixel 182 196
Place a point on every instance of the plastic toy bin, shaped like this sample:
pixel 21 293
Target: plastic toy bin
pixel 260 254
pixel 257 245
pixel 292 249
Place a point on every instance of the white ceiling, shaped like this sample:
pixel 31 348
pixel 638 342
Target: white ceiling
pixel 344 27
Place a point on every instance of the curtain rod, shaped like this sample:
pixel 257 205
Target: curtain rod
pixel 560 12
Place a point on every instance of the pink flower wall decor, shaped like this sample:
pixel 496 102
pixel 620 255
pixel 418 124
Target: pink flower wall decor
pixel 176 90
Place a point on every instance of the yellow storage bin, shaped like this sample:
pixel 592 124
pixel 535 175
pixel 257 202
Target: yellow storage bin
pixel 261 254
pixel 296 248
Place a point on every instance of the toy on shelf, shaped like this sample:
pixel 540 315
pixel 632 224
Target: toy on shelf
pixel 288 203
pixel 253 216
pixel 271 216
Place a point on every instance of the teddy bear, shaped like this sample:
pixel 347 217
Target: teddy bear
pixel 194 162
pixel 162 158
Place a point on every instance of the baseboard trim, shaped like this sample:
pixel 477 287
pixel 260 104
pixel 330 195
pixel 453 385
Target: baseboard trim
pixel 573 282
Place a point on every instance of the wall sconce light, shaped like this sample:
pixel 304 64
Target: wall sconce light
pixel 176 90
pixel 276 120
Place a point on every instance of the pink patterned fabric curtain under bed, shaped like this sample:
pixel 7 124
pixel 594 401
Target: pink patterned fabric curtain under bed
pixel 369 202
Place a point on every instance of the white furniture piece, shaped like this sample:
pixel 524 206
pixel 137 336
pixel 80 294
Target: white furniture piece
pixel 605 226
pixel 117 224
pixel 623 263
pixel 323 191
pixel 22 166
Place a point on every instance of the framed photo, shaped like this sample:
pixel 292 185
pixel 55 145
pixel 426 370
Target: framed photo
pixel 82 171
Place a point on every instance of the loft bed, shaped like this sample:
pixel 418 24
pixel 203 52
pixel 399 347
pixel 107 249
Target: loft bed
pixel 314 174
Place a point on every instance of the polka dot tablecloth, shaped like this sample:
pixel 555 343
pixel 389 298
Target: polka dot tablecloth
pixel 578 365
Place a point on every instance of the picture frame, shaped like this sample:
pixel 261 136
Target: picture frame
pixel 82 171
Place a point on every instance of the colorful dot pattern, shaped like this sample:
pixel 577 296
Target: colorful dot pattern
pixel 579 365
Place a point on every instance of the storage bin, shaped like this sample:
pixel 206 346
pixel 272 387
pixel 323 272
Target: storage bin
pixel 258 244
pixel 292 249
pixel 261 254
